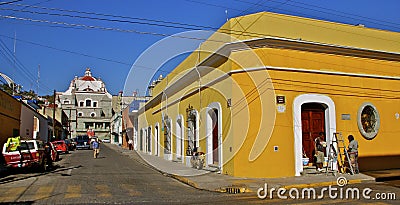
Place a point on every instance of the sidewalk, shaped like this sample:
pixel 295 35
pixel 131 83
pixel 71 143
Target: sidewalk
pixel 206 180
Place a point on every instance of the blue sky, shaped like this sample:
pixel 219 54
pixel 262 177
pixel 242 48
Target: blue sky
pixel 52 38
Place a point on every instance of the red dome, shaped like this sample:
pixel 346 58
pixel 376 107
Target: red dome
pixel 88 78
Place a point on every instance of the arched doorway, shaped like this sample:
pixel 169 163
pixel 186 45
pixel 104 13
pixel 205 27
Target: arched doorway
pixel 192 130
pixel 214 135
pixel 148 149
pixel 157 140
pixel 329 121
pixel 215 147
pixel 313 122
pixel 141 140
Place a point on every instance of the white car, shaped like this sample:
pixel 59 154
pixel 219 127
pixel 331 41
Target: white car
pixel 106 140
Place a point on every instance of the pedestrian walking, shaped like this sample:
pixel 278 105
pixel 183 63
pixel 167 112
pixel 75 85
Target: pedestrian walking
pixel 96 148
pixel 130 144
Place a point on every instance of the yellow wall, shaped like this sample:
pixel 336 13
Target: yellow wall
pixel 348 94
pixel 10 111
pixel 252 127
pixel 279 25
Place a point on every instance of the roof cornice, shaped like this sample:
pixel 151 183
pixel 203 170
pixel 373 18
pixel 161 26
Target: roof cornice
pixel 220 56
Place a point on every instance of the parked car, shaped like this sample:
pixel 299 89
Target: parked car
pixel 82 142
pixel 106 140
pixel 70 144
pixel 26 153
pixel 61 146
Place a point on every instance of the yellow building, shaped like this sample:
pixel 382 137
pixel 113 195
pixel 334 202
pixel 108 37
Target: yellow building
pixel 257 93
pixel 10 112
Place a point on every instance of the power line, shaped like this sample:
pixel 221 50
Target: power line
pixel 111 28
pixel 7 53
pixel 166 23
pixel 95 27
pixel 123 17
pixel 346 15
pixel 68 51
pixel 180 25
pixel 8 2
pixel 216 5
pixel 100 19
pixel 103 28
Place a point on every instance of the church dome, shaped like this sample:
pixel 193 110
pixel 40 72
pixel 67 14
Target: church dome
pixel 88 76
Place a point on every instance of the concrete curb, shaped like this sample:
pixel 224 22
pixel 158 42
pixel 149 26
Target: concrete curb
pixel 330 183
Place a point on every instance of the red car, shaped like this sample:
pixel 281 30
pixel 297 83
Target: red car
pixel 61 146
pixel 26 153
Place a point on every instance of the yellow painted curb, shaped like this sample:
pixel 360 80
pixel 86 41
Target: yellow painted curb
pixel 186 181
pixel 321 184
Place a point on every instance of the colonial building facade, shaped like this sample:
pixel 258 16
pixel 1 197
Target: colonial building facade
pixel 87 104
pixel 257 93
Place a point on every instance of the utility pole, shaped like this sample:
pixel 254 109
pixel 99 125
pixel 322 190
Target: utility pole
pixel 15 57
pixel 54 113
pixel 38 78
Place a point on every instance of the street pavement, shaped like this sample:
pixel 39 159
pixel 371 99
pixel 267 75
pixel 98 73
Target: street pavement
pixel 211 181
pixel 121 176
pixel 111 178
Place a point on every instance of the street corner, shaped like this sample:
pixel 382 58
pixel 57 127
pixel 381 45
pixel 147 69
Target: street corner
pixel 187 181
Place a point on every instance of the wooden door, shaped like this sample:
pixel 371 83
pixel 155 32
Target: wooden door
pixel 215 137
pixel 313 122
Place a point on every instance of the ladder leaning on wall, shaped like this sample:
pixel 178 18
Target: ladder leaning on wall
pixel 341 153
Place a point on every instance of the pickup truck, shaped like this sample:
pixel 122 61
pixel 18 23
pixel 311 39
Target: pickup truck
pixel 28 153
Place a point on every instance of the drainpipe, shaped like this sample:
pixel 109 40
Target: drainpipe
pixel 198 73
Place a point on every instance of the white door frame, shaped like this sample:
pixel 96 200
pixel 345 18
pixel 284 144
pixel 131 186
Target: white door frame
pixel 150 140
pixel 330 124
pixel 209 133
pixel 179 136
pixel 157 139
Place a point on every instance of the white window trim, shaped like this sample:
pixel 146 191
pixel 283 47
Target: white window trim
pixel 371 135
pixel 91 102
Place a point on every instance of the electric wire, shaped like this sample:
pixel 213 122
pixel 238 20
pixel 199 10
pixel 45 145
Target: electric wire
pixel 68 51
pixel 202 39
pixel 9 2
pixel 7 53
pixel 348 15
pixel 180 25
pixel 343 14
